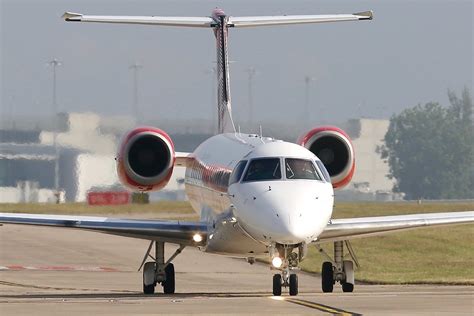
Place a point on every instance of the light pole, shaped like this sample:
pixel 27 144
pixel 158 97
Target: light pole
pixel 306 112
pixel 213 72
pixel 55 63
pixel 251 72
pixel 135 68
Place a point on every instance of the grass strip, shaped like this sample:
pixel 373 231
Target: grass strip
pixel 438 255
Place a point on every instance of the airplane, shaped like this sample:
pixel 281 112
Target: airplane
pixel 257 197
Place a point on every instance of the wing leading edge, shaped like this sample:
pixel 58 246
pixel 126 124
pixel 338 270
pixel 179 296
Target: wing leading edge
pixel 169 231
pixel 249 21
pixel 146 20
pixel 350 228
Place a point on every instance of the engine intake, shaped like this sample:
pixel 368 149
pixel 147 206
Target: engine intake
pixel 146 159
pixel 333 146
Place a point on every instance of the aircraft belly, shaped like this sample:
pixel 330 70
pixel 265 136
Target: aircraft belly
pixel 229 239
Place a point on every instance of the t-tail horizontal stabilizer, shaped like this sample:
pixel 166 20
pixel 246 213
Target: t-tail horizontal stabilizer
pixel 220 22
pixel 250 21
pixel 232 21
pixel 146 20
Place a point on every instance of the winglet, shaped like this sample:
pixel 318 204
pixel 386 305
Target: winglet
pixel 366 15
pixel 71 16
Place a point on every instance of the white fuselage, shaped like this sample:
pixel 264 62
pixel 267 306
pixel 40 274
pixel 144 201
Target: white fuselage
pixel 245 217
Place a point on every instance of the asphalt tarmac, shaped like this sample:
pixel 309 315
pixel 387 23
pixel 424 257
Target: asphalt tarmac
pixel 53 271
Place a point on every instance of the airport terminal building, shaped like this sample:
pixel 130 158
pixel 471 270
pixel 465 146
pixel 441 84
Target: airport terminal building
pixel 85 155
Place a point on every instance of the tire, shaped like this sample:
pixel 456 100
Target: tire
pixel 327 277
pixel 347 287
pixel 277 285
pixel 148 289
pixel 169 284
pixel 149 278
pixel 293 284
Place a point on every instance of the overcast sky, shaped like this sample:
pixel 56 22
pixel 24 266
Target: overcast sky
pixel 412 52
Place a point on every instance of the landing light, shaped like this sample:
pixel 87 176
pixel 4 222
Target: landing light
pixel 197 238
pixel 277 262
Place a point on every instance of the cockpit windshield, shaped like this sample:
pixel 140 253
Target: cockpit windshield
pixel 300 169
pixel 263 169
pixel 325 173
pixel 237 173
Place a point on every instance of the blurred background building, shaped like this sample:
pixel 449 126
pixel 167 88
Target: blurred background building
pixel 87 144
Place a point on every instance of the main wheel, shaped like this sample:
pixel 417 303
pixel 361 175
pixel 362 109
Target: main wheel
pixel 347 287
pixel 169 284
pixel 148 289
pixel 149 278
pixel 277 285
pixel 293 284
pixel 327 277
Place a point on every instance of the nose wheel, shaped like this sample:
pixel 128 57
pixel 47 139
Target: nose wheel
pixel 293 284
pixel 277 284
pixel 287 278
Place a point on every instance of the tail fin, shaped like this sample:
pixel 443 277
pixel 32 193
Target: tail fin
pixel 220 23
pixel 224 108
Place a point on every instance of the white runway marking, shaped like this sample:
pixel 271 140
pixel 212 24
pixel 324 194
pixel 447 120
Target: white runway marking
pixel 58 268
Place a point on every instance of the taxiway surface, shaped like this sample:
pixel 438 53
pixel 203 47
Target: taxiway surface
pixel 53 271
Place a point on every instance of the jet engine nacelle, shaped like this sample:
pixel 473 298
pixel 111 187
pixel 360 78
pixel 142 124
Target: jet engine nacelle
pixel 333 146
pixel 145 159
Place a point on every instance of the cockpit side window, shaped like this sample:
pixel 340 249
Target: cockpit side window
pixel 301 169
pixel 237 173
pixel 263 169
pixel 324 171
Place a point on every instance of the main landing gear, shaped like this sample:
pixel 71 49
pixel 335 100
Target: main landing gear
pixel 159 271
pixel 338 270
pixel 285 260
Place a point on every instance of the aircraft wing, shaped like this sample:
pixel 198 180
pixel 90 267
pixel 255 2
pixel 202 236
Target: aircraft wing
pixel 247 21
pixel 182 159
pixel 147 20
pixel 177 232
pixel 350 228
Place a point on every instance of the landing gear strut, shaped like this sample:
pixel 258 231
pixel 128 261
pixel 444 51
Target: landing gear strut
pixel 290 261
pixel 339 270
pixel 159 271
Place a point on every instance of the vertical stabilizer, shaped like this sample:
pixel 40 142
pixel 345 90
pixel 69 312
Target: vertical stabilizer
pixel 224 109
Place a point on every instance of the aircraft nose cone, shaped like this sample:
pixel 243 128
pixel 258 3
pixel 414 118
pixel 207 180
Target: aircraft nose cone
pixel 283 212
pixel 293 226
pixel 291 219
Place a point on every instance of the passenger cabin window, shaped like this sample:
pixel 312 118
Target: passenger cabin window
pixel 263 169
pixel 300 169
pixel 323 170
pixel 237 173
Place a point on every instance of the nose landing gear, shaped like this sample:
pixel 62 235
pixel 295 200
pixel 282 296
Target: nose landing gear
pixel 288 277
pixel 285 279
